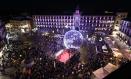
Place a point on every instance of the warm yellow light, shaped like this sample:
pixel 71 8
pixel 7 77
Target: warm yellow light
pixel 116 28
pixel 8 25
pixel 46 33
pixel 117 54
pixel 25 26
pixel 1 54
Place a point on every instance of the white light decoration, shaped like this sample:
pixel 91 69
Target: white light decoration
pixel 66 26
pixel 73 39
pixel 104 47
pixel 22 30
pixel 100 39
pixel 1 54
pixel 8 25
pixel 87 36
pixel 116 28
pixel 59 52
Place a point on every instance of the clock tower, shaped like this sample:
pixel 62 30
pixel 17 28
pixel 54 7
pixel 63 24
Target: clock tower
pixel 76 19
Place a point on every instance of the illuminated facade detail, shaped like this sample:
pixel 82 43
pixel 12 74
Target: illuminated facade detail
pixel 16 29
pixel 76 18
pixel 84 23
pixel 73 39
pixel 125 32
pixel 117 22
pixel 20 26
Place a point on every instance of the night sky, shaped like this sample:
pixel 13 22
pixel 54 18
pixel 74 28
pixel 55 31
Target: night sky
pixel 62 6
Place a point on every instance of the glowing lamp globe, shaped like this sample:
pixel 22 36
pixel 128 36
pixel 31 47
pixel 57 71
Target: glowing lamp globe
pixel 73 39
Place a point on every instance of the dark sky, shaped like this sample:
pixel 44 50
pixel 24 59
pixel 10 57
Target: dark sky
pixel 61 6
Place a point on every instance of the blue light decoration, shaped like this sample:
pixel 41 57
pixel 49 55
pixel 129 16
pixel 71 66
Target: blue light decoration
pixel 73 39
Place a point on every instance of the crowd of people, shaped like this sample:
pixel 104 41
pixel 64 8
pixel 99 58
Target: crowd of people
pixel 33 62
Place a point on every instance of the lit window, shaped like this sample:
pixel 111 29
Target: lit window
pixel 96 18
pixel 86 18
pixel 100 17
pixel 104 17
pixel 93 17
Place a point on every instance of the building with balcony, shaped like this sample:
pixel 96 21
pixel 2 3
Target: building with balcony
pixel 86 24
pixel 16 25
pixel 17 30
pixel 125 31
pixel 117 23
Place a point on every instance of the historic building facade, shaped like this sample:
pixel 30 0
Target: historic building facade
pixel 125 31
pixel 86 24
